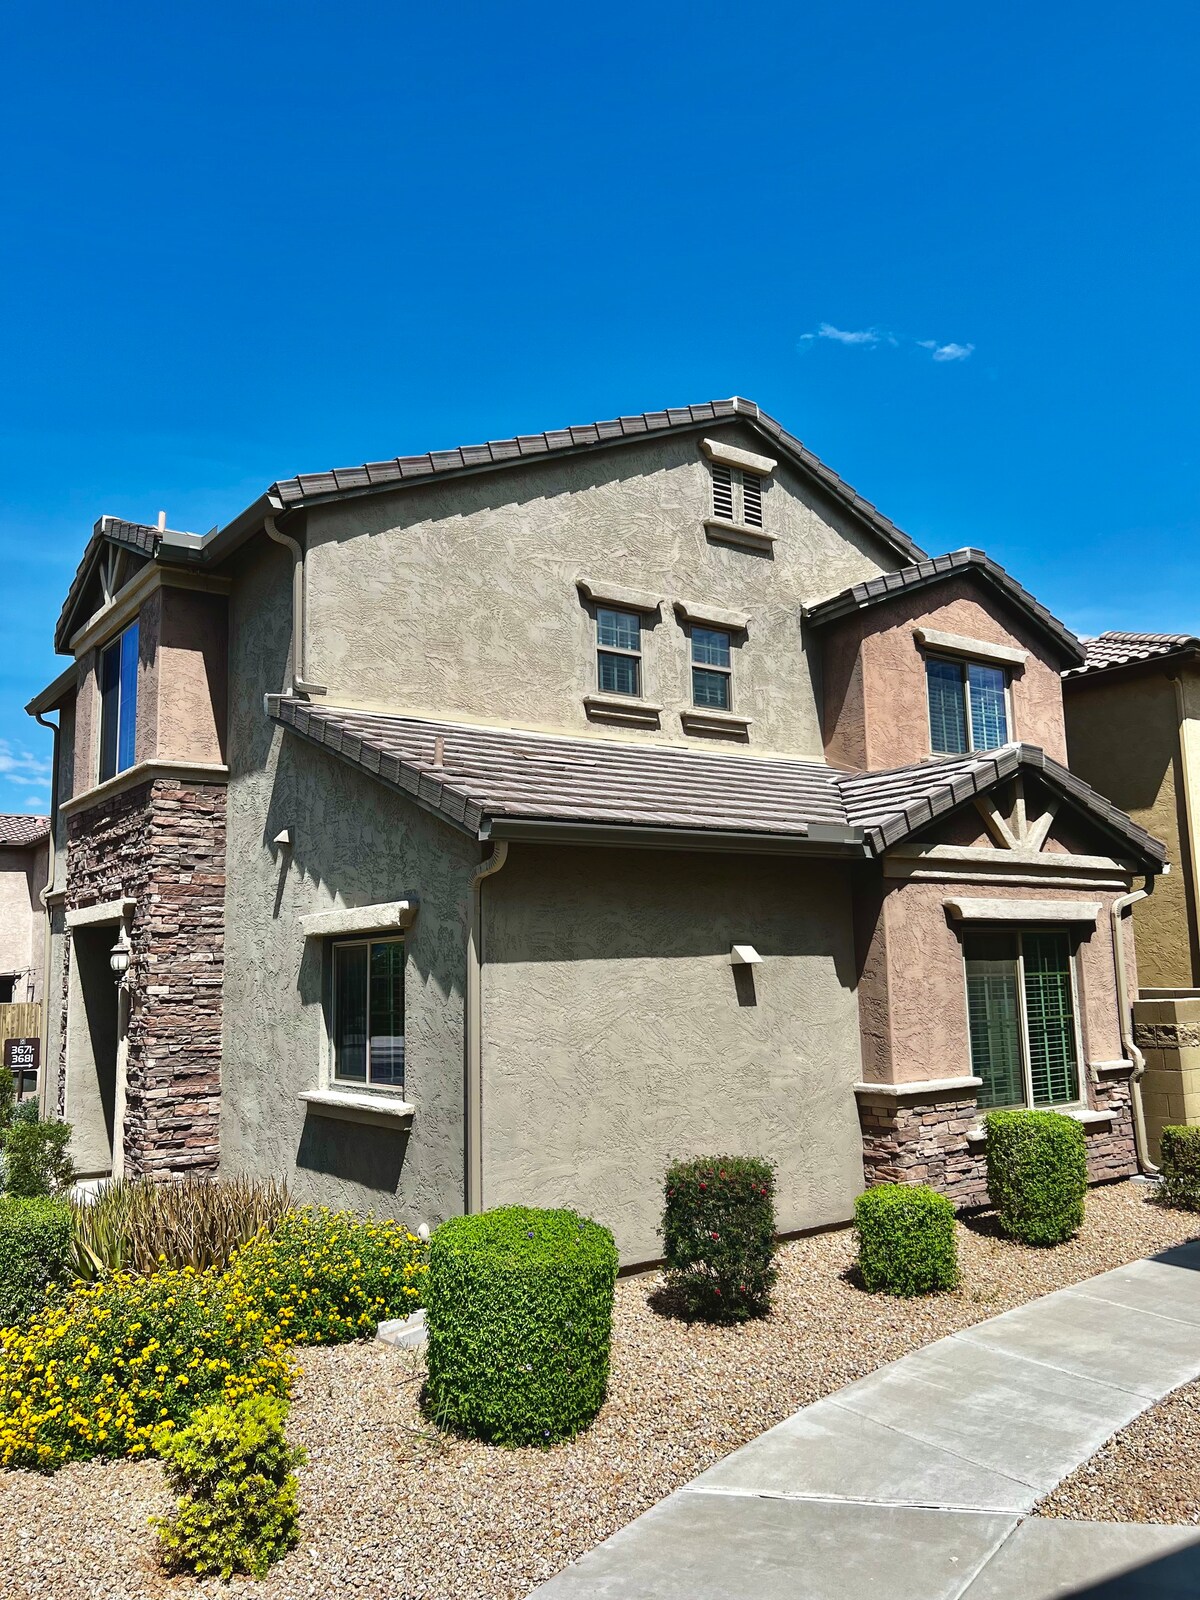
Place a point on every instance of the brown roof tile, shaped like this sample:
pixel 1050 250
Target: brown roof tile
pixel 1108 650
pixel 19 833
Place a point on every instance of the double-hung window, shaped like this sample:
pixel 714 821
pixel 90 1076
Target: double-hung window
pixel 711 669
pixel 619 651
pixel 1021 1017
pixel 368 1012
pixel 118 703
pixel 737 495
pixel 968 705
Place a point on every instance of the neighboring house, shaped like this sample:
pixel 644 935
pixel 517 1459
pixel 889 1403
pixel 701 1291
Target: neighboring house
pixel 24 865
pixel 495 824
pixel 1133 730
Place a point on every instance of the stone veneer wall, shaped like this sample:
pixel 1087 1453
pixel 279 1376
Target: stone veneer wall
pixel 923 1139
pixel 162 844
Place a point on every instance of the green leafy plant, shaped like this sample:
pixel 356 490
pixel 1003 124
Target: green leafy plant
pixel 8 1098
pixel 103 1370
pixel 1037 1174
pixel 322 1277
pixel 234 1475
pixel 906 1239
pixel 519 1309
pixel 1179 1162
pixel 35 1249
pixel 36 1161
pixel 141 1225
pixel 718 1234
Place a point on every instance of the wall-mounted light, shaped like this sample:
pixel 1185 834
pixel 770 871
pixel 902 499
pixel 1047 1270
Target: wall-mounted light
pixel 745 955
pixel 118 957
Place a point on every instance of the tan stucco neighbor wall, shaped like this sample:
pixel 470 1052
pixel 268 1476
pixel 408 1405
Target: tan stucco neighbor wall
pixel 461 600
pixel 22 920
pixel 1123 734
pixel 875 699
pixel 616 1033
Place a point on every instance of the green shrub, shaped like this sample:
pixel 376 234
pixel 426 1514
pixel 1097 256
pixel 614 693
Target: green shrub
pixel 8 1099
pixel 35 1157
pixel 718 1236
pixel 35 1247
pixel 233 1472
pixel 323 1277
pixel 519 1307
pixel 140 1225
pixel 1179 1162
pixel 906 1239
pixel 100 1370
pixel 1037 1174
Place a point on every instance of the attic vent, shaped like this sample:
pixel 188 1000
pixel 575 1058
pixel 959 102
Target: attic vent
pixel 722 478
pixel 737 495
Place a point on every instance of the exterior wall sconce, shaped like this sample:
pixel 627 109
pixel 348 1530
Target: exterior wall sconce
pixel 118 957
pixel 745 955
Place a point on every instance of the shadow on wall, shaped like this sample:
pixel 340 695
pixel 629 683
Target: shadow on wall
pixel 352 1152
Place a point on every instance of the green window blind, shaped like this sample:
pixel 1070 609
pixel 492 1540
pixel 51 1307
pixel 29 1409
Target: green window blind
pixel 993 1016
pixel 1053 1066
pixel 947 707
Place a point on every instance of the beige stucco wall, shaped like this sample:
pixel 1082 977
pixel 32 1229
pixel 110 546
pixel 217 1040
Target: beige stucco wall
pixel 1123 736
pixel 616 1033
pixel 459 599
pixel 22 920
pixel 875 697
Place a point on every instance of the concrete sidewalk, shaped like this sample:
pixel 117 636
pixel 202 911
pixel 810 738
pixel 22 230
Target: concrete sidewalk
pixel 914 1483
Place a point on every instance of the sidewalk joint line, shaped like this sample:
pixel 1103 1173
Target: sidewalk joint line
pixel 929 1444
pixel 1050 1366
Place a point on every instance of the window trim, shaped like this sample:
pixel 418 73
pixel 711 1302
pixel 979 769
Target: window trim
pixel 333 1080
pixel 115 642
pixel 963 663
pixel 1080 1102
pixel 637 656
pixel 726 672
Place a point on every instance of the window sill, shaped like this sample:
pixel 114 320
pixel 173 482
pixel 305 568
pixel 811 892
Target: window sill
pixel 622 708
pixel 145 772
pixel 721 532
pixel 697 721
pixel 358 1105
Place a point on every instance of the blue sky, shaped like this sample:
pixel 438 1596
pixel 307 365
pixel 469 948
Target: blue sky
pixel 953 248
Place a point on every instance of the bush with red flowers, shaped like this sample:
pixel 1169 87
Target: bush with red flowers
pixel 718 1234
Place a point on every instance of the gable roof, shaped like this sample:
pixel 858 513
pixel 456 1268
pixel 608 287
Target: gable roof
pixel 862 596
pixel 503 783
pixel 1107 651
pixel 20 833
pixel 138 537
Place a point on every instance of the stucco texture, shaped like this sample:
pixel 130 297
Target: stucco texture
pixel 1123 737
pixel 616 1033
pixel 876 706
pixel 22 920
pixel 460 599
pixel 354 843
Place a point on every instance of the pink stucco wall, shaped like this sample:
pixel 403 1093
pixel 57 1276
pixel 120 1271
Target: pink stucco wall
pixel 876 708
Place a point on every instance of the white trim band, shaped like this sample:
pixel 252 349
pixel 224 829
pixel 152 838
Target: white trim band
pixel 349 1105
pixel 899 1091
pixel 110 911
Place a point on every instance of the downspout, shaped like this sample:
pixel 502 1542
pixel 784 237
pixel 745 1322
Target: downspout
pixel 47 935
pixel 473 1120
pixel 1117 911
pixel 299 635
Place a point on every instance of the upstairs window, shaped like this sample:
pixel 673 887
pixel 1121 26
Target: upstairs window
pixel 711 668
pixel 1021 1016
pixel 968 705
pixel 118 703
pixel 619 651
pixel 737 496
pixel 368 1012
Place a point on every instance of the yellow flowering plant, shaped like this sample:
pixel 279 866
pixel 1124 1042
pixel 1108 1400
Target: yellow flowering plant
pixel 324 1277
pixel 100 1371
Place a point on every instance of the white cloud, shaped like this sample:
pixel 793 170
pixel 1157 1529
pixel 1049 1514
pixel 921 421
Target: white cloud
pixel 952 352
pixel 35 802
pixel 875 336
pixel 21 766
pixel 847 335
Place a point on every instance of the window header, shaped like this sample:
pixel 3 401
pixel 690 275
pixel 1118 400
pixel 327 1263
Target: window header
pixel 984 910
pixel 980 649
pixel 729 455
pixel 612 594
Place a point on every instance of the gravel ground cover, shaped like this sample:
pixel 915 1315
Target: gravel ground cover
pixel 1149 1472
pixel 393 1510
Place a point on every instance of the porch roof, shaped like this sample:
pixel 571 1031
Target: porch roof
pixel 507 783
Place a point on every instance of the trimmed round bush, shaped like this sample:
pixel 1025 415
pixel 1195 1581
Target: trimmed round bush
pixel 906 1239
pixel 1037 1174
pixel 1179 1162
pixel 719 1236
pixel 519 1312
pixel 35 1248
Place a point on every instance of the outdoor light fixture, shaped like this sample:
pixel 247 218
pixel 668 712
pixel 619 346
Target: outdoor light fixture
pixel 118 957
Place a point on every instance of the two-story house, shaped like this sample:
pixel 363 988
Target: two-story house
pixel 495 824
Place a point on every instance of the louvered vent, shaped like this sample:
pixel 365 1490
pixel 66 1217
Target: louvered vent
pixel 752 500
pixel 722 481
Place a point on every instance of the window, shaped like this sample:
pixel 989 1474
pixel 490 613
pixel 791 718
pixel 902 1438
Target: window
pixel 8 983
pixel 1021 1016
pixel 619 656
pixel 968 705
pixel 711 670
pixel 737 495
pixel 368 1012
pixel 118 703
